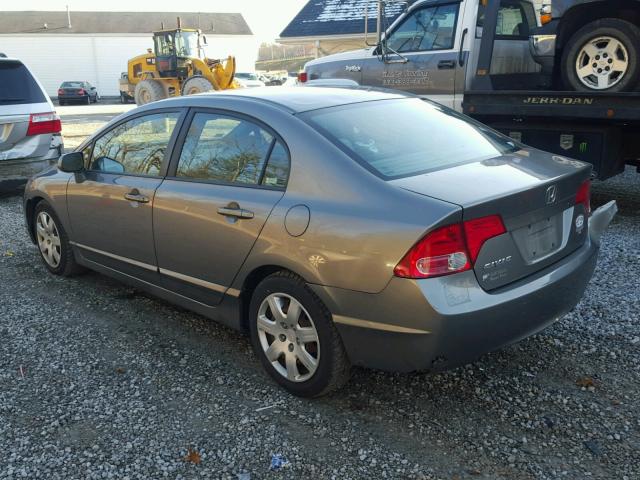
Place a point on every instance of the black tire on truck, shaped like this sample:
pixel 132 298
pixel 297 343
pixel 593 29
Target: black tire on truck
pixel 603 56
pixel 148 91
pixel 196 84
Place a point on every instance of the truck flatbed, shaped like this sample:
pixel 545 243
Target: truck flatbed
pixel 558 105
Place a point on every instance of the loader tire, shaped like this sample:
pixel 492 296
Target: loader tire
pixel 148 91
pixel 196 84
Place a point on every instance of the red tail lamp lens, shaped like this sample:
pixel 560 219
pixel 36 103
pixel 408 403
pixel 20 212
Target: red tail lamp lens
pixel 583 197
pixel 480 230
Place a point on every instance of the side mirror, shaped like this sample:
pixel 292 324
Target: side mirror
pixel 71 162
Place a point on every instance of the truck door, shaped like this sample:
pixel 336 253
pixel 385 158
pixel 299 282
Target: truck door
pixel 423 54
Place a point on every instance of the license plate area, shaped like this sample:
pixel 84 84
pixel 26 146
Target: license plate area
pixel 541 239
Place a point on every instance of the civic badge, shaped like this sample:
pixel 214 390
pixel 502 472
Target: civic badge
pixel 550 196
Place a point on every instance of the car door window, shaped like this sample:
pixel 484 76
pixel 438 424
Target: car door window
pixel 276 172
pixel 224 149
pixel 136 147
pixel 426 29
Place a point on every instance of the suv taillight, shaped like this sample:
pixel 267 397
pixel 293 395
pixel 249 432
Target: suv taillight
pixel 449 249
pixel 302 77
pixel 40 123
pixel 583 197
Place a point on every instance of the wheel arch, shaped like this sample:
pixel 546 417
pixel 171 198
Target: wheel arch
pixel 251 281
pixel 579 15
pixel 29 210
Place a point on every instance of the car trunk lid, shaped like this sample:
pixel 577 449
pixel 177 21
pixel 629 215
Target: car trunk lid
pixel 535 195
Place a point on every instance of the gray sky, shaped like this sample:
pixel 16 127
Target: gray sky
pixel 267 18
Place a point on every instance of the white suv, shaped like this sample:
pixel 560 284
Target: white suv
pixel 30 138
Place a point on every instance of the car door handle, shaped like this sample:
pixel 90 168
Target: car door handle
pixel 446 64
pixel 135 196
pixel 235 212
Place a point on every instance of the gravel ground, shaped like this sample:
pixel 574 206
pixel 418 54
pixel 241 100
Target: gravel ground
pixel 100 381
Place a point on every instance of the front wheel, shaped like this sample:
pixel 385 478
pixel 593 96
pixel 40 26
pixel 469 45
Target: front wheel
pixel 292 333
pixel 603 56
pixel 53 242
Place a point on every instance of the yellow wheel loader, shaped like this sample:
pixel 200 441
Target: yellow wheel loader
pixel 177 67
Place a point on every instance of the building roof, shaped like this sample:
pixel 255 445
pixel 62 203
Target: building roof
pixel 320 18
pixel 120 22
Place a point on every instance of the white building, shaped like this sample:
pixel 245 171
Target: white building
pixel 95 46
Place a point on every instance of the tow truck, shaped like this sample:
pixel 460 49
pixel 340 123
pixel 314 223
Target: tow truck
pixel 477 56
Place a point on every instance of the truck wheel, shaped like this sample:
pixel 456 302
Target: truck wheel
pixel 123 99
pixel 195 85
pixel 148 91
pixel 603 56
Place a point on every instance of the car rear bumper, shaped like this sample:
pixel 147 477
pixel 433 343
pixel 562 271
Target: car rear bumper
pixel 72 97
pixel 440 323
pixel 15 173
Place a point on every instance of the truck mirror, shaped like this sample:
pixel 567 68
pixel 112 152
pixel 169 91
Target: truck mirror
pixel 204 40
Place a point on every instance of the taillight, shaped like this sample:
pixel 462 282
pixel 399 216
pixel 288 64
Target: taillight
pixel 60 92
pixel 40 123
pixel 450 249
pixel 545 14
pixel 583 197
pixel 81 91
pixel 302 77
pixel 479 230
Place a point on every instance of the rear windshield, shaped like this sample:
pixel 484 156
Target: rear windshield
pixel 72 85
pixel 17 86
pixel 405 137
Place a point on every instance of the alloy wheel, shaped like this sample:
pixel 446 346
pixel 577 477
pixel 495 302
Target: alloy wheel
pixel 602 62
pixel 48 239
pixel 288 337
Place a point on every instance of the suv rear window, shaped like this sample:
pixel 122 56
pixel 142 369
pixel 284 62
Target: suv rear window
pixel 17 86
pixel 401 138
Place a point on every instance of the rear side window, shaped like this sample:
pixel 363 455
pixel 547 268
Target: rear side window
pixel 231 150
pixel 400 138
pixel 136 147
pixel 515 19
pixel 17 85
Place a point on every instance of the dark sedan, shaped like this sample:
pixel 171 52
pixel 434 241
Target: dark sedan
pixel 80 92
pixel 336 226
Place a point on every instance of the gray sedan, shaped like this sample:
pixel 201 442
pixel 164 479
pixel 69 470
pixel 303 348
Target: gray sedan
pixel 337 226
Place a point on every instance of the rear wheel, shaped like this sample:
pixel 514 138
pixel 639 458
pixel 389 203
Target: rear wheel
pixel 603 56
pixel 62 103
pixel 148 91
pixel 87 100
pixel 195 85
pixel 293 334
pixel 123 98
pixel 53 242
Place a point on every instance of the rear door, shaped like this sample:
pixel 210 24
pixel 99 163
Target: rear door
pixel 223 183
pixel 110 203
pixel 424 54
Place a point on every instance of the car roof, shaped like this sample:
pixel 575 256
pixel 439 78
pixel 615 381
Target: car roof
pixel 301 99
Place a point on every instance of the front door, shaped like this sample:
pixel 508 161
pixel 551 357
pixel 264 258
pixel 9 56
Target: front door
pixel 110 203
pixel 208 213
pixel 422 54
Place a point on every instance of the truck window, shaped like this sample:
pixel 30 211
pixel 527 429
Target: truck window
pixel 430 28
pixel 515 20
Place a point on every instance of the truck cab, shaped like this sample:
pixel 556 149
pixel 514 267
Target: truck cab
pixel 431 50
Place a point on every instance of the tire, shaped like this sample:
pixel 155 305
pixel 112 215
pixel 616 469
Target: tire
pixel 123 99
pixel 196 84
pixel 62 262
pixel 62 103
pixel 607 43
pixel 148 91
pixel 88 100
pixel 331 368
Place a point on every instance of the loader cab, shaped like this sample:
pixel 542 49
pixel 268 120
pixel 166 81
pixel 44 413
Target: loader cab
pixel 173 49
